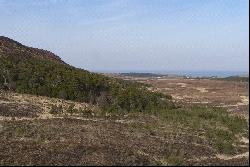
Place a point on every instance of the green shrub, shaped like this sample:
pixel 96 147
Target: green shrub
pixel 56 109
pixel 71 110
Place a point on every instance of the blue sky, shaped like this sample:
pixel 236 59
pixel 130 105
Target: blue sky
pixel 134 35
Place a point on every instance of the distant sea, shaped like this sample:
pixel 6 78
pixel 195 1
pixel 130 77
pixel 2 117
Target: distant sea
pixel 209 73
pixel 221 74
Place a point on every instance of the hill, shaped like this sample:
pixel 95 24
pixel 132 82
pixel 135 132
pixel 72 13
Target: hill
pixel 28 70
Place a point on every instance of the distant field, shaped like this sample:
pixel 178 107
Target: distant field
pixel 228 93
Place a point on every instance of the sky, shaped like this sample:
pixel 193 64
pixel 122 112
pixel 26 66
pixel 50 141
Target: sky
pixel 134 35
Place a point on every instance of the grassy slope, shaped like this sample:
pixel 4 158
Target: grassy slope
pixel 85 136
